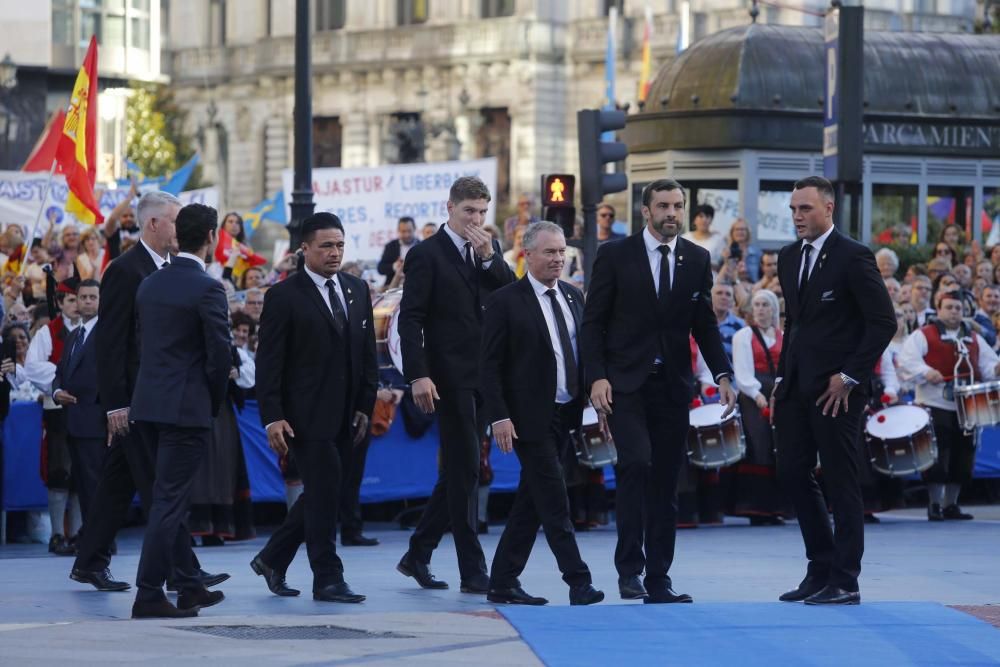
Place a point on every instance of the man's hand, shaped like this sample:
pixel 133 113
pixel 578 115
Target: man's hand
pixel 934 376
pixel 481 241
pixel 276 436
pixel 63 397
pixel 893 399
pixel 600 396
pixel 760 400
pixel 424 394
pixel 504 434
pixel 360 426
pixel 602 423
pixel 8 367
pixel 835 396
pixel 727 396
pixel 234 373
pixel 118 422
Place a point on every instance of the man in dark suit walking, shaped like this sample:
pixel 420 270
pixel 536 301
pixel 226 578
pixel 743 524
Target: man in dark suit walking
pixel 533 394
pixel 394 252
pixel 75 388
pixel 130 461
pixel 838 321
pixel 317 375
pixel 183 321
pixel 448 278
pixel 649 292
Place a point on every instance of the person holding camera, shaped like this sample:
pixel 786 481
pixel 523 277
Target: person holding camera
pixel 739 249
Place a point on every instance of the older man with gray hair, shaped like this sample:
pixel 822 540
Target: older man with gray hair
pixel 887 261
pixel 130 461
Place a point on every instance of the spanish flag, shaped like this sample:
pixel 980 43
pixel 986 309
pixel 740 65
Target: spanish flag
pixel 77 151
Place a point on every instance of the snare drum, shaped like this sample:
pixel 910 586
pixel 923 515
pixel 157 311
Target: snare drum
pixel 901 440
pixel 978 404
pixel 712 441
pixel 593 449
pixel 386 310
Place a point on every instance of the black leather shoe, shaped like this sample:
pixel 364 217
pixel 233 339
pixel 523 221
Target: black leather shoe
pixel 514 595
pixel 61 547
pixel 212 541
pixel 207 579
pixel 955 513
pixel 477 584
pixel 160 609
pixel 667 596
pixel 585 594
pixel 102 581
pixel 411 567
pixel 337 593
pixel 630 588
pixel 934 512
pixel 199 598
pixel 834 595
pixel 358 540
pixel 809 586
pixel 275 580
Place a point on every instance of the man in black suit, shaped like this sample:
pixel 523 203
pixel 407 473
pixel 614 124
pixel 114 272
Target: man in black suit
pixel 317 375
pixel 838 320
pixel 448 278
pixel 649 292
pixel 395 250
pixel 130 462
pixel 533 395
pixel 75 388
pixel 185 359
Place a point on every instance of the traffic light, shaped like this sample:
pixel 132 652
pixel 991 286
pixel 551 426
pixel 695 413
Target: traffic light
pixel 595 153
pixel 557 201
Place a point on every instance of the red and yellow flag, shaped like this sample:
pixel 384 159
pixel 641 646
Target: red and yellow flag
pixel 645 74
pixel 77 151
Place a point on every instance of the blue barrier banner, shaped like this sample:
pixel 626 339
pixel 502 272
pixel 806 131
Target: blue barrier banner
pixel 22 445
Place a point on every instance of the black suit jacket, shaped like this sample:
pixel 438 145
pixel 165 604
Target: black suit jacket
pixel 301 374
pixel 390 253
pixel 185 357
pixel 78 375
pixel 842 324
pixel 518 363
pixel 115 335
pixel 623 322
pixel 440 316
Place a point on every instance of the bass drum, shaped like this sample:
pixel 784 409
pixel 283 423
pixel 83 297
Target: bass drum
pixel 386 309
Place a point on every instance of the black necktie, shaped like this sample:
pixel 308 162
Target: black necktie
pixel 468 257
pixel 804 278
pixel 77 344
pixel 664 272
pixel 569 358
pixel 339 316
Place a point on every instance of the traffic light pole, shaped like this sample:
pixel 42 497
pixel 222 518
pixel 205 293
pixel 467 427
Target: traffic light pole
pixel 589 242
pixel 302 204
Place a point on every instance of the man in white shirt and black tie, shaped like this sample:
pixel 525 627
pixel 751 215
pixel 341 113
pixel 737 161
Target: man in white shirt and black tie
pixel 533 394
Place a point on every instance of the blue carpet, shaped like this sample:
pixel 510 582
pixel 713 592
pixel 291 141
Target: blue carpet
pixel 887 634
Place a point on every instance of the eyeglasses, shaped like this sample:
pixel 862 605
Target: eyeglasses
pixel 255 303
pixel 942 251
pixel 603 215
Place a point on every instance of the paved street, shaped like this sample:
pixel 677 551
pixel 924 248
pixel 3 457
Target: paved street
pixel 48 619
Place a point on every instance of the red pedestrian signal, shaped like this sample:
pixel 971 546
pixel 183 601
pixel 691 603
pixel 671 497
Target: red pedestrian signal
pixel 557 190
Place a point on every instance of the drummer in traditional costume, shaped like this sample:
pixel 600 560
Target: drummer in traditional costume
pixel 755 492
pixel 929 358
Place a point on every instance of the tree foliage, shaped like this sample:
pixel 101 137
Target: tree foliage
pixel 154 132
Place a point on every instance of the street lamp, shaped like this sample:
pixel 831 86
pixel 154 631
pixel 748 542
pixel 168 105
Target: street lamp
pixel 302 204
pixel 8 73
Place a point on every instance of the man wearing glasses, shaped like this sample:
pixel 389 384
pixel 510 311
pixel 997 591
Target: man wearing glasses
pixel 605 224
pixel 920 299
pixel 254 304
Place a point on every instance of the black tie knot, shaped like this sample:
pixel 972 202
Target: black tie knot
pixel 664 250
pixel 329 284
pixel 551 293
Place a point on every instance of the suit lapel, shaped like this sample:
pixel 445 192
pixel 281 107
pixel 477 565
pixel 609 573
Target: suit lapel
pixel 312 293
pixel 817 271
pixel 452 255
pixel 641 260
pixel 74 361
pixel 535 308
pixel 575 306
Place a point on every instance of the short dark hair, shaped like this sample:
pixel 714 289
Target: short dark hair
pixel 660 185
pixel 468 187
pixel 409 220
pixel 89 282
pixel 824 186
pixel 940 296
pixel 432 225
pixel 609 207
pixel 239 317
pixel 195 223
pixel 706 210
pixel 318 221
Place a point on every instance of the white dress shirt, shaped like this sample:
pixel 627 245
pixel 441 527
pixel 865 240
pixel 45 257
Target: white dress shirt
pixel 655 258
pixel 912 367
pixel 193 258
pixel 562 393
pixel 87 327
pixel 248 370
pixel 320 283
pixel 38 370
pixel 160 261
pixel 460 244
pixel 817 249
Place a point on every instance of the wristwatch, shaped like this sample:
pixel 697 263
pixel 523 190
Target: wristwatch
pixel 487 259
pixel 847 380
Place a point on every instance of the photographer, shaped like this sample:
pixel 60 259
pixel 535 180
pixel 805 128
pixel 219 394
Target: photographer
pixel 739 248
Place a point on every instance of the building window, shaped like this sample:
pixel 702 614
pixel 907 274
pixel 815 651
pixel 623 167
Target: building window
pixel 62 23
pixel 991 216
pixel 90 24
pixel 617 4
pixel 217 23
pixel 492 9
pixel 327 141
pixel 139 35
pixel 330 14
pixel 894 214
pixel 405 139
pixel 493 140
pixel 409 12
pixel 114 31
